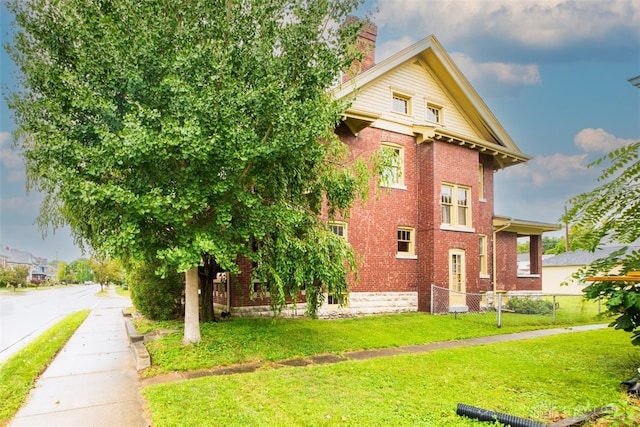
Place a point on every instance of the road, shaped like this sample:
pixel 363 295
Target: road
pixel 24 315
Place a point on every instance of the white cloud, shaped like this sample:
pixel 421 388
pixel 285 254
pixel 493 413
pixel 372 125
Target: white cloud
pixel 503 73
pixel 385 50
pixel 599 141
pixel 546 170
pixel 492 26
pixel 11 159
pixel 5 137
pixel 13 203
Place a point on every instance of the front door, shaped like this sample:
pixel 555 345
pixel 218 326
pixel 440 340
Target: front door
pixel 457 281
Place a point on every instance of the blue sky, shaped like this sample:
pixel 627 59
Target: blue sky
pixel 555 74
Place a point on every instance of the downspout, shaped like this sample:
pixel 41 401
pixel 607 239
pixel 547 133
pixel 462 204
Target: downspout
pixel 495 263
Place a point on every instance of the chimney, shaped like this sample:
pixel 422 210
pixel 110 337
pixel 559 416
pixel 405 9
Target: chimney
pixel 367 45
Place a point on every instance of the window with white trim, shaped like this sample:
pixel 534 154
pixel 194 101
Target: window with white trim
pixel 455 203
pixel 401 104
pixel 393 173
pixel 406 241
pixel 434 113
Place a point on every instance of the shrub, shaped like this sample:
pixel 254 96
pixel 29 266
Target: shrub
pixel 155 297
pixel 528 305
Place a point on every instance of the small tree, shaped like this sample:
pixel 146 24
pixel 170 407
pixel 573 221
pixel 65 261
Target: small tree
pixel 611 213
pixel 106 271
pixel 14 275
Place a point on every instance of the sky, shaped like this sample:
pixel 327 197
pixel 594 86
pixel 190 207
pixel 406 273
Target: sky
pixel 554 73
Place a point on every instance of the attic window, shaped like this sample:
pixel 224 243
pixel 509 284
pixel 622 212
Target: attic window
pixel 434 113
pixel 401 104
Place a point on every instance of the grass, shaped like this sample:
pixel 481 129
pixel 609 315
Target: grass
pixel 541 379
pixel 264 340
pixel 19 373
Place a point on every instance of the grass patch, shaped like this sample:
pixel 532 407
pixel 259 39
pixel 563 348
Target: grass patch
pixel 538 379
pixel 20 372
pixel 245 340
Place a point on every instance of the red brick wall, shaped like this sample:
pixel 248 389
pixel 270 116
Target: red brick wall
pixel 372 226
pixel 507 264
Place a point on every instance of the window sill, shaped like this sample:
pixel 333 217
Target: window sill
pixel 485 276
pixel 449 227
pixel 395 186
pixel 400 255
pixel 528 276
pixel 483 200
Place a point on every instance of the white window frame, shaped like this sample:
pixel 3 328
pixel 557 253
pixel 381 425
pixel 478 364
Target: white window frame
pixel 393 177
pixel 401 236
pixel 454 208
pixel 434 113
pixel 400 98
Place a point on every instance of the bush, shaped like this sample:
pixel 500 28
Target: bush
pixel 528 305
pixel 155 297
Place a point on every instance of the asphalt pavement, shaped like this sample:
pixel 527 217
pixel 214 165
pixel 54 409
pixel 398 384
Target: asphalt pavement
pixel 93 380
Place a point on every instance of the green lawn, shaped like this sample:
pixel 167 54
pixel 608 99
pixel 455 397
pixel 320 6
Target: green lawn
pixel 540 379
pixel 262 340
pixel 20 372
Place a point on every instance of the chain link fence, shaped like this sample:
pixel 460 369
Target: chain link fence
pixel 516 308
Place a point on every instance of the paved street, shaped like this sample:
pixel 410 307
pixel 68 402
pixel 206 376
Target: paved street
pixel 26 314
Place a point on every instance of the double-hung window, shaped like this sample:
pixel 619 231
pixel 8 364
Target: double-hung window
pixel 338 228
pixel 434 113
pixel 406 242
pixel 393 172
pixel 401 104
pixel 484 270
pixel 455 205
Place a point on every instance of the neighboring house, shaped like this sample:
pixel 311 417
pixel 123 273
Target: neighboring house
pixel 559 269
pixel 38 267
pixel 432 222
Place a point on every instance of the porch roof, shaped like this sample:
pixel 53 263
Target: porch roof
pixel 522 227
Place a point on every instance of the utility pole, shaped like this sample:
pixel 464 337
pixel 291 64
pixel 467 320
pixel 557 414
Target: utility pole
pixel 566 232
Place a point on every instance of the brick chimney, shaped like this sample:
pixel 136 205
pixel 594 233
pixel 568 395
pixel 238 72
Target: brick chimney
pixel 367 45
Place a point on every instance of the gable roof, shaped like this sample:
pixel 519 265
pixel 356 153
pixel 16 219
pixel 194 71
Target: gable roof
pixel 430 54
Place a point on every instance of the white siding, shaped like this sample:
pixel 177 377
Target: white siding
pixel 414 80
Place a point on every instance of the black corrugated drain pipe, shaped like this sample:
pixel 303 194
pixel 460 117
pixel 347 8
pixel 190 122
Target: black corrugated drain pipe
pixel 486 415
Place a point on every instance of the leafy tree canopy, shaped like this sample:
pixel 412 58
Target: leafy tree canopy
pixel 611 213
pixel 168 130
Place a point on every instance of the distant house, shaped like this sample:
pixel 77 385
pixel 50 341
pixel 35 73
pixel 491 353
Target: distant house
pixel 38 267
pixel 433 222
pixel 559 269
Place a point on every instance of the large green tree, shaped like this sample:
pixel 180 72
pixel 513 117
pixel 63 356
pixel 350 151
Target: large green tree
pixel 611 213
pixel 189 131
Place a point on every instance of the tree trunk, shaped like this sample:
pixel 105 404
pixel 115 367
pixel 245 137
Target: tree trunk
pixel 191 311
pixel 207 274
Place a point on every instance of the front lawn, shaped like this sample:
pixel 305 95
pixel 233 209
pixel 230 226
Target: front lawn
pixel 261 340
pixel 542 379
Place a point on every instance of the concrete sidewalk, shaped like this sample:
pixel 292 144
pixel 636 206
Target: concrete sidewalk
pixel 92 381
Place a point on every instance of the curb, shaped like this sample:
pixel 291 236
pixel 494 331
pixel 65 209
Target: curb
pixel 141 356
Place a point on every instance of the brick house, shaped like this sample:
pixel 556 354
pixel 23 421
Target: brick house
pixel 431 221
